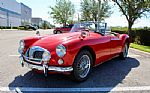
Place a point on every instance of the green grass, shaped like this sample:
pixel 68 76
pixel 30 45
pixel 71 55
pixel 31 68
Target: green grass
pixel 140 47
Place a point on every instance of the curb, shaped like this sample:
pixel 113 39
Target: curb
pixel 139 51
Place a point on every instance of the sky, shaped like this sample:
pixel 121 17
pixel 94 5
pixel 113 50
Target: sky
pixel 40 8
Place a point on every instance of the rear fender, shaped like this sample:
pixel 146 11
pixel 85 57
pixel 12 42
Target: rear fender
pixel 124 39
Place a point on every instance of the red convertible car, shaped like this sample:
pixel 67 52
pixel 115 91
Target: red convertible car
pixel 87 45
pixel 64 29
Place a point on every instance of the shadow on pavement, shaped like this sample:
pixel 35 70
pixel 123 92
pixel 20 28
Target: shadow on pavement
pixel 109 74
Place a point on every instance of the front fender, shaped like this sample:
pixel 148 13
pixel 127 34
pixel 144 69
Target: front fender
pixel 29 41
pixel 73 49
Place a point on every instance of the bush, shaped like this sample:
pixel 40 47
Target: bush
pixel 21 28
pixel 5 27
pixel 142 37
pixel 139 35
pixel 8 27
pixel 15 27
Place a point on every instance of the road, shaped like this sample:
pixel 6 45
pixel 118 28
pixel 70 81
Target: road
pixel 115 76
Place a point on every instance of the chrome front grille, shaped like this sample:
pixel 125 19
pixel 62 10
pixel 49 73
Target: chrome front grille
pixel 38 54
pixel 34 54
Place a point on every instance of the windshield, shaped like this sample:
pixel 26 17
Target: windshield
pixel 89 26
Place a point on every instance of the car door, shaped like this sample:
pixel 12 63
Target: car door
pixel 115 45
pixel 103 49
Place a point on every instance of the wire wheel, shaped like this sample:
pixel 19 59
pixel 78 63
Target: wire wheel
pixel 84 66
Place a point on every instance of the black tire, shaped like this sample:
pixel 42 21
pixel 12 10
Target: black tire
pixel 54 31
pixel 58 32
pixel 76 73
pixel 123 55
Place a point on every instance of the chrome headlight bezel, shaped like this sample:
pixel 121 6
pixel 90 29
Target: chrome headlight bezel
pixel 21 46
pixel 61 50
pixel 46 56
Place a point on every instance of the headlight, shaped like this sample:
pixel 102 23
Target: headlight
pixel 21 46
pixel 46 56
pixel 60 50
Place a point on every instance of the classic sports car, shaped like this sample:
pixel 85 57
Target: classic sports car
pixel 64 29
pixel 87 45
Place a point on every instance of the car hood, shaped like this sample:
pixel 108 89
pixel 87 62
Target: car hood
pixel 50 42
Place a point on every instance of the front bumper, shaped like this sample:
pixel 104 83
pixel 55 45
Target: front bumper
pixel 50 68
pixel 42 67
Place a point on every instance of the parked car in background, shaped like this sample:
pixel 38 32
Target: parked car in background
pixel 33 27
pixel 87 45
pixel 64 29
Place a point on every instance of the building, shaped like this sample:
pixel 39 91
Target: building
pixel 40 23
pixel 37 21
pixel 13 13
pixel 26 15
pixel 10 13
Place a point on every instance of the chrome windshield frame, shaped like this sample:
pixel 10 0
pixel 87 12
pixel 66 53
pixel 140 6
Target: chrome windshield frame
pixel 100 27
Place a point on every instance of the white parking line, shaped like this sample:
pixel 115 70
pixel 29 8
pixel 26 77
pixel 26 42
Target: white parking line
pixel 134 55
pixel 140 51
pixel 100 89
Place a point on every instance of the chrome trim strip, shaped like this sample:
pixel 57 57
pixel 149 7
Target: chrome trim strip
pixel 50 68
pixel 28 60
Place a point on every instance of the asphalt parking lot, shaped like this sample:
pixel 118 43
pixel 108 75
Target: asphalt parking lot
pixel 115 76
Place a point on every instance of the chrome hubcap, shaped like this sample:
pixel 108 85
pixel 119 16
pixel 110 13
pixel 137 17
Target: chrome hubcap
pixel 125 52
pixel 58 32
pixel 84 66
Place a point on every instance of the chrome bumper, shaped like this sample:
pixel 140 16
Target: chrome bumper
pixel 50 68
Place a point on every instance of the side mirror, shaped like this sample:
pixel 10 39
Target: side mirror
pixel 83 35
pixel 38 33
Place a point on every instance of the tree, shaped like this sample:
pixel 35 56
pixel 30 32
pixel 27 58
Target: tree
pixel 45 25
pixel 132 10
pixel 62 11
pixel 89 10
pixel 71 22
